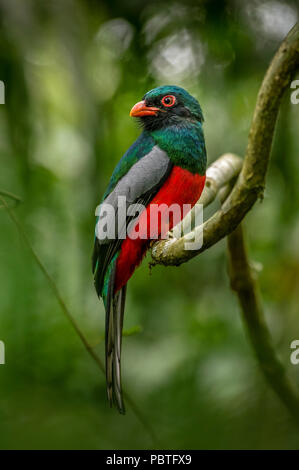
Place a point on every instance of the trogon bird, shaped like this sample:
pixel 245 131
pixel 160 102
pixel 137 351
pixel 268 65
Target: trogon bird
pixel 166 165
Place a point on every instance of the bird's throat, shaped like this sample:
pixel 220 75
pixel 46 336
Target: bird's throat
pixel 184 144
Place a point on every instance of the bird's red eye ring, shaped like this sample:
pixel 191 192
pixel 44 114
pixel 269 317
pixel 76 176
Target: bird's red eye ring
pixel 168 101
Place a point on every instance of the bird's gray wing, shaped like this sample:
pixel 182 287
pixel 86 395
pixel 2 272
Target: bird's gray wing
pixel 137 186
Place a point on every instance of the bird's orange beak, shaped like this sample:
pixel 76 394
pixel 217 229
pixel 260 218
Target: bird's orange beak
pixel 140 109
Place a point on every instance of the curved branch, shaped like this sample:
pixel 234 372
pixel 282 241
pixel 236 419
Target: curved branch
pixel 244 284
pixel 220 175
pixel 251 182
pixel 221 172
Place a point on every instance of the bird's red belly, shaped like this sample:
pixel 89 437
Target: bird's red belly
pixel 181 187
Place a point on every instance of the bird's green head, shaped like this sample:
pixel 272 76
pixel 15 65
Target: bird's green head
pixel 166 105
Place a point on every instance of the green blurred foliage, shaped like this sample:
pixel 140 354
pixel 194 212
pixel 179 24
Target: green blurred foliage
pixel 72 70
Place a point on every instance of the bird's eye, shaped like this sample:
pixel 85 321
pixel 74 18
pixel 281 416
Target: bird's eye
pixel 168 101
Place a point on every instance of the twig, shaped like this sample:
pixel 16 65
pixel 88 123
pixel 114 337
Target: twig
pixel 244 284
pixel 139 415
pixel 17 200
pixel 251 182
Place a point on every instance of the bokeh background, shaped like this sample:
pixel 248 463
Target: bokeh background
pixel 72 70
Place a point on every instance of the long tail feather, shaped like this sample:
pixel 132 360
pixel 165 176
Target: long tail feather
pixel 115 305
pixel 118 313
pixel 109 337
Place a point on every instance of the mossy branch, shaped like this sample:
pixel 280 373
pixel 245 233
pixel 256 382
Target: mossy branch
pixel 220 174
pixel 226 221
pixel 243 283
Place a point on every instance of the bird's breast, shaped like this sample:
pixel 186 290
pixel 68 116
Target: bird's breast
pixel 181 187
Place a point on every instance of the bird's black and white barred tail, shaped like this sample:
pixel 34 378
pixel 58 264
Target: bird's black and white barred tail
pixel 115 306
pixel 104 269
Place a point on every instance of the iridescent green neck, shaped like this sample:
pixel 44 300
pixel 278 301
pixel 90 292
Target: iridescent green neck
pixel 184 144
